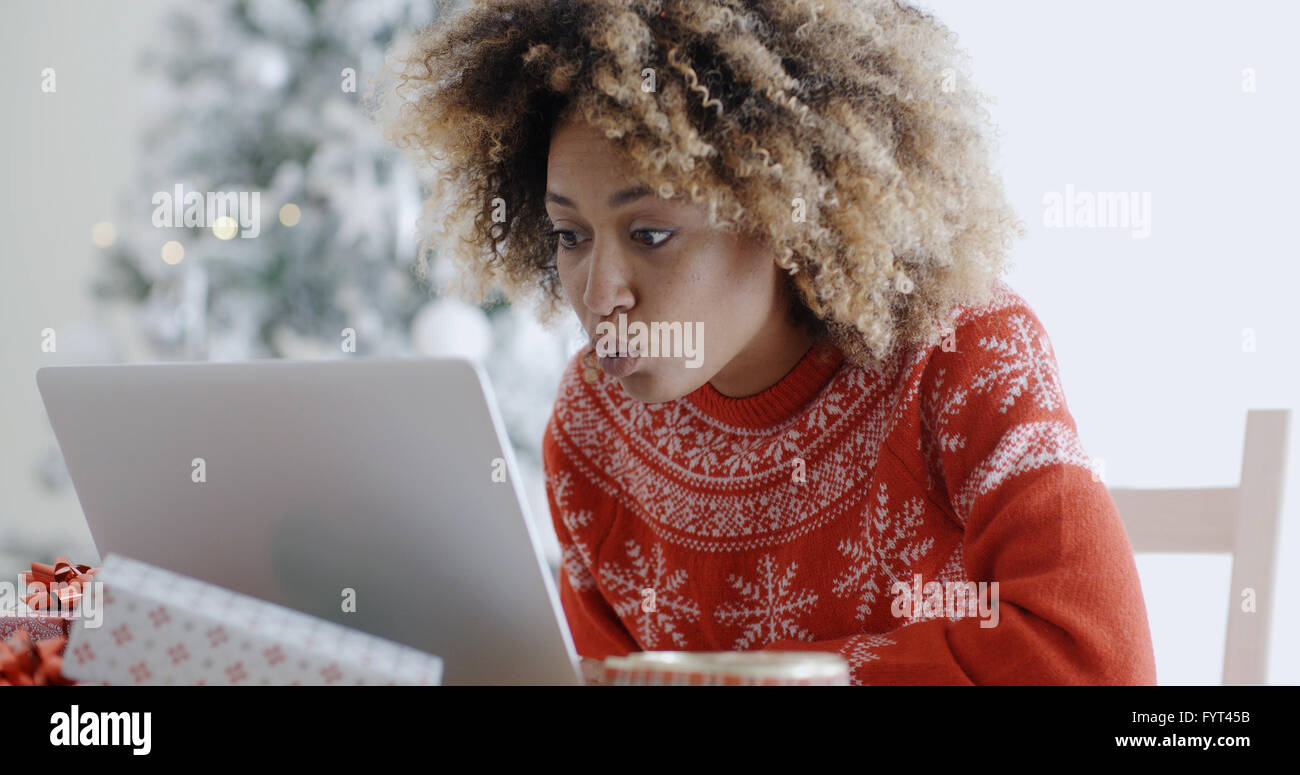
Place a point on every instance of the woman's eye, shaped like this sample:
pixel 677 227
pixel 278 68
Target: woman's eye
pixel 560 233
pixel 568 239
pixel 666 232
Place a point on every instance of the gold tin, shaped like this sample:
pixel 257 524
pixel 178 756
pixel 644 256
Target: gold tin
pixel 727 668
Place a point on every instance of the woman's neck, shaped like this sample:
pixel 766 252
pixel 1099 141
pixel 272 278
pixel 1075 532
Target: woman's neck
pixel 767 358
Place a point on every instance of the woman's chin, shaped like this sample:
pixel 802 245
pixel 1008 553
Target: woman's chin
pixel 650 389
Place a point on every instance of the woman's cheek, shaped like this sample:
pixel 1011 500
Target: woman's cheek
pixel 568 284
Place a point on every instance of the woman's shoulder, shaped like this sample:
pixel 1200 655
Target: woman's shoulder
pixel 990 395
pixel 1003 304
pixel 581 385
pixel 582 397
pixel 571 384
pixel 1001 330
pixel 998 343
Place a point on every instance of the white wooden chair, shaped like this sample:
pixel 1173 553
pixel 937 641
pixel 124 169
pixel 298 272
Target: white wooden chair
pixel 1241 521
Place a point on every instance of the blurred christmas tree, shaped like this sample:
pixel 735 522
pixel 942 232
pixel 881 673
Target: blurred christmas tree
pixel 267 96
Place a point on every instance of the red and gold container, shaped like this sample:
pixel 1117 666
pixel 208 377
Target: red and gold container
pixel 727 668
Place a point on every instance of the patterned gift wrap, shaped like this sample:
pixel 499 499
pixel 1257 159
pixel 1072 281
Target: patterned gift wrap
pixel 161 628
pixel 39 625
pixel 727 668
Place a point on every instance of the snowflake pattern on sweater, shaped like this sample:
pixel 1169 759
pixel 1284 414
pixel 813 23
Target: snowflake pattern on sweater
pixel 655 619
pixel 884 551
pixel 784 520
pixel 769 607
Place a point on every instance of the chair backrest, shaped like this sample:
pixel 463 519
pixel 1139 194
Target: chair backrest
pixel 1241 521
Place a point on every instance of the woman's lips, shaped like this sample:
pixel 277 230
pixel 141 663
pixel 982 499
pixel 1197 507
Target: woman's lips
pixel 616 365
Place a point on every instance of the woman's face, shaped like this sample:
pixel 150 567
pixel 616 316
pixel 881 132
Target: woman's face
pixel 714 301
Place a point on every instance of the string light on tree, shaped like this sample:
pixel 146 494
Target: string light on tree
pixel 103 234
pixel 172 252
pixel 225 227
pixel 290 214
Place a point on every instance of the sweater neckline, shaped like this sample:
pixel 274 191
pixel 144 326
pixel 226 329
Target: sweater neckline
pixel 779 402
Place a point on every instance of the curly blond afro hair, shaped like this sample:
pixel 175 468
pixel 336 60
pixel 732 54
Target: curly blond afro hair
pixel 845 134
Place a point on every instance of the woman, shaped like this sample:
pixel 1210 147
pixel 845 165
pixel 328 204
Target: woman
pixel 844 432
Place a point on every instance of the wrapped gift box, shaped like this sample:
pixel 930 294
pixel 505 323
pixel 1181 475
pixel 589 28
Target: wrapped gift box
pixel 47 601
pixel 39 625
pixel 161 628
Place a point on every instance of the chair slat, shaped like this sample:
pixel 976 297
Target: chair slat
pixel 1189 520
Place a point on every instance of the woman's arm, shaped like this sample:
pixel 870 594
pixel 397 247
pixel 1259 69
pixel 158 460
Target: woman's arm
pixel 1003 451
pixel 597 631
pixel 1069 607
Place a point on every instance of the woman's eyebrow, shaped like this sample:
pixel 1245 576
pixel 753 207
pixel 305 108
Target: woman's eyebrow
pixel 616 200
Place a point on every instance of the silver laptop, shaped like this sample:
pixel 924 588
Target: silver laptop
pixel 390 483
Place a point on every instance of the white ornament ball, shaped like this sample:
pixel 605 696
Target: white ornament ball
pixel 451 328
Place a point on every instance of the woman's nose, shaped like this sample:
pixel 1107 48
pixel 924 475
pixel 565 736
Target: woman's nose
pixel 608 286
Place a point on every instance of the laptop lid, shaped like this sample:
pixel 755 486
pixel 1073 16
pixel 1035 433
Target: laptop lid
pixel 390 483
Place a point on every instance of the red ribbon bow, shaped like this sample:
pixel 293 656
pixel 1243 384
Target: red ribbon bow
pixel 27 663
pixel 66 579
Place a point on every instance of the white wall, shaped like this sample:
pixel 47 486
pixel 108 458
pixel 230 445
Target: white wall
pixel 1147 96
pixel 66 156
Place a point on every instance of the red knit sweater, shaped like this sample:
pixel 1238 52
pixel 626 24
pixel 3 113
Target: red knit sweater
pixel 813 516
